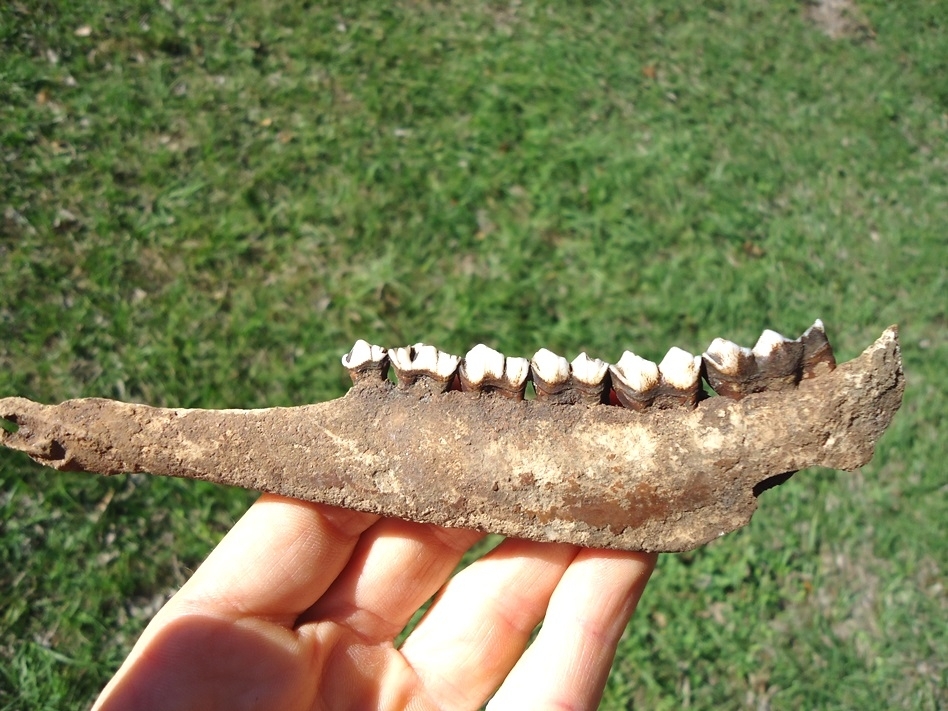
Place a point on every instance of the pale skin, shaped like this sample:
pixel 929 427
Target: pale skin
pixel 299 606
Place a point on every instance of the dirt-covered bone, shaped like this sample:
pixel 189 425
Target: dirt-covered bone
pixel 593 475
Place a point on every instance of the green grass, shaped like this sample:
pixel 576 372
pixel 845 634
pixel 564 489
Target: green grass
pixel 204 204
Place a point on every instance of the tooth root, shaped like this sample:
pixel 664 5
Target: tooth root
pixel 366 362
pixel 680 380
pixel 818 355
pixel 425 368
pixel 635 381
pixel 778 361
pixel 730 368
pixel 486 370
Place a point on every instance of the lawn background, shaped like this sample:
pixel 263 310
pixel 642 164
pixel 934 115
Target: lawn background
pixel 205 203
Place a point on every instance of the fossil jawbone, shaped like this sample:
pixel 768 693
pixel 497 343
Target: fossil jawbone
pixel 593 475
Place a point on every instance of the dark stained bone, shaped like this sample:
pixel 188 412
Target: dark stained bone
pixel 598 476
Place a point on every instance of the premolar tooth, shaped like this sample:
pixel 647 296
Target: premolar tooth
pixel 401 359
pixel 681 379
pixel 680 369
pixel 556 381
pixel 430 360
pixel 366 361
pixel 486 370
pixel 589 381
pixel 424 365
pixel 588 371
pixel 634 380
pixel 516 371
pixel 817 352
pixel 636 372
pixel 729 368
pixel 549 370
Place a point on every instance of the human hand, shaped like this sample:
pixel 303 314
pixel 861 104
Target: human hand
pixel 300 604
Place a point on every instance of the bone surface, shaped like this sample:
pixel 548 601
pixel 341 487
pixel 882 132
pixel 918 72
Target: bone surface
pixel 592 475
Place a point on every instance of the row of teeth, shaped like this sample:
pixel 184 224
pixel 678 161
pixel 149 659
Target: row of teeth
pixel 774 363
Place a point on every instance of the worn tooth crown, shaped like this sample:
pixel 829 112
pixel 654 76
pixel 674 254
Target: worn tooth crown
pixel 482 363
pixel 769 342
pixel 401 358
pixel 430 360
pixel 549 367
pixel 588 371
pixel 636 372
pixel 727 356
pixel 363 353
pixel 680 369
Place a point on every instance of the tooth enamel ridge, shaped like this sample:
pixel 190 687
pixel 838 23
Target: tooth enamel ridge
pixel 768 343
pixel 774 363
pixel 636 372
pixel 588 371
pixel 423 367
pixel 366 361
pixel 485 370
pixel 728 357
pixel 549 368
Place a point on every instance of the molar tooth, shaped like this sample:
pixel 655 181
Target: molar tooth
pixel 817 352
pixel 549 369
pixel 480 365
pixel 588 382
pixel 588 371
pixel 681 380
pixel 729 368
pixel 365 361
pixel 778 361
pixel 636 372
pixel 634 380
